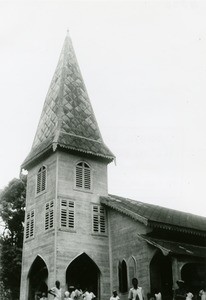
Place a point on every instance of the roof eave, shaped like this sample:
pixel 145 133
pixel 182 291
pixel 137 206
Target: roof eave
pixel 154 224
pixel 53 146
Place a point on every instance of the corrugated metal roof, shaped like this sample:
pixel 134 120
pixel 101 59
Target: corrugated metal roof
pixel 157 216
pixel 67 119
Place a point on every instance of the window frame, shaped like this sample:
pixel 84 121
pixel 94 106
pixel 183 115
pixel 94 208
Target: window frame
pixel 84 180
pixel 50 210
pixel 41 170
pixel 30 223
pixel 99 215
pixel 68 210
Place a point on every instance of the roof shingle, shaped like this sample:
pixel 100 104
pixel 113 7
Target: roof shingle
pixel 67 119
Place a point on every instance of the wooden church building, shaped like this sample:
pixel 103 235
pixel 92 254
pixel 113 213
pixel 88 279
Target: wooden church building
pixel 76 232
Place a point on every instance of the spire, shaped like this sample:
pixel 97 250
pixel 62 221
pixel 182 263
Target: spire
pixel 67 120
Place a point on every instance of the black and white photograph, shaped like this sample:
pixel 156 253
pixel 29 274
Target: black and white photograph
pixel 103 146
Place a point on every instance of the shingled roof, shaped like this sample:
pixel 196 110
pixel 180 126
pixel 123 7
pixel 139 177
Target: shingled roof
pixel 157 216
pixel 67 119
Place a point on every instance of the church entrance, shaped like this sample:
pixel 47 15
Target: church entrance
pixel 161 275
pixel 83 272
pixel 38 276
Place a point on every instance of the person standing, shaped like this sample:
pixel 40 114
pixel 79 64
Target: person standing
pixel 43 296
pixel 158 295
pixel 114 296
pixel 202 293
pixel 72 292
pixel 136 292
pixel 88 295
pixel 78 293
pixel 66 295
pixel 180 293
pixel 189 296
pixel 56 291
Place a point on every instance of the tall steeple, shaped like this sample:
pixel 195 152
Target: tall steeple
pixel 67 120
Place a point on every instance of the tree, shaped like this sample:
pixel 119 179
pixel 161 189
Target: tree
pixel 12 201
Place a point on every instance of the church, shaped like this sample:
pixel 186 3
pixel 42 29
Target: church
pixel 78 233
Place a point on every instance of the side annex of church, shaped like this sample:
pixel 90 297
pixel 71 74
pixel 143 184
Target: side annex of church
pixel 76 232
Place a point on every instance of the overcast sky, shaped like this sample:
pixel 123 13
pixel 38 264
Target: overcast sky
pixel 144 66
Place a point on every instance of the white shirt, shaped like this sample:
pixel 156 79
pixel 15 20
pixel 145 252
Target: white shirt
pixel 57 292
pixel 202 294
pixel 115 298
pixel 189 296
pixel 88 296
pixel 158 296
pixel 133 293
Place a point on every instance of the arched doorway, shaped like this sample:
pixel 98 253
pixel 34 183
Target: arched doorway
pixel 83 272
pixel 161 275
pixel 194 275
pixel 38 276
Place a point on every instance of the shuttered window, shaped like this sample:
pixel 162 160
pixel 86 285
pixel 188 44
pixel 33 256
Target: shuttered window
pixel 67 214
pixel 49 215
pixel 99 219
pixel 41 180
pixel 30 224
pixel 83 176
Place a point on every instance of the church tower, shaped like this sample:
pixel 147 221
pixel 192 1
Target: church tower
pixel 66 232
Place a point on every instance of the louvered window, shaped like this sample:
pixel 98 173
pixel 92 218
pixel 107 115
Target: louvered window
pixel 83 176
pixel 49 215
pixel 41 180
pixel 67 214
pixel 30 224
pixel 99 219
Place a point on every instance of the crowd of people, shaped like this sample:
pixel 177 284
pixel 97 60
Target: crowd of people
pixel 135 293
pixel 183 292
pixel 72 293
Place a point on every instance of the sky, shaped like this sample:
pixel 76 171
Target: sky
pixel 144 66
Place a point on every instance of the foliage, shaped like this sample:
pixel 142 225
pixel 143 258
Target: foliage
pixel 12 201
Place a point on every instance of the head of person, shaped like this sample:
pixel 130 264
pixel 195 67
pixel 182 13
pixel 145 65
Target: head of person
pixel 135 282
pixel 43 295
pixel 57 283
pixel 114 293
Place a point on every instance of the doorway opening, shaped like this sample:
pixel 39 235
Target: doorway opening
pixel 84 272
pixel 38 276
pixel 161 275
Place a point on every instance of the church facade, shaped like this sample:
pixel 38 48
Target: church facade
pixel 76 232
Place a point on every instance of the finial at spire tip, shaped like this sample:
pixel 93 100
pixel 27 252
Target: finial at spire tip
pixel 67 31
